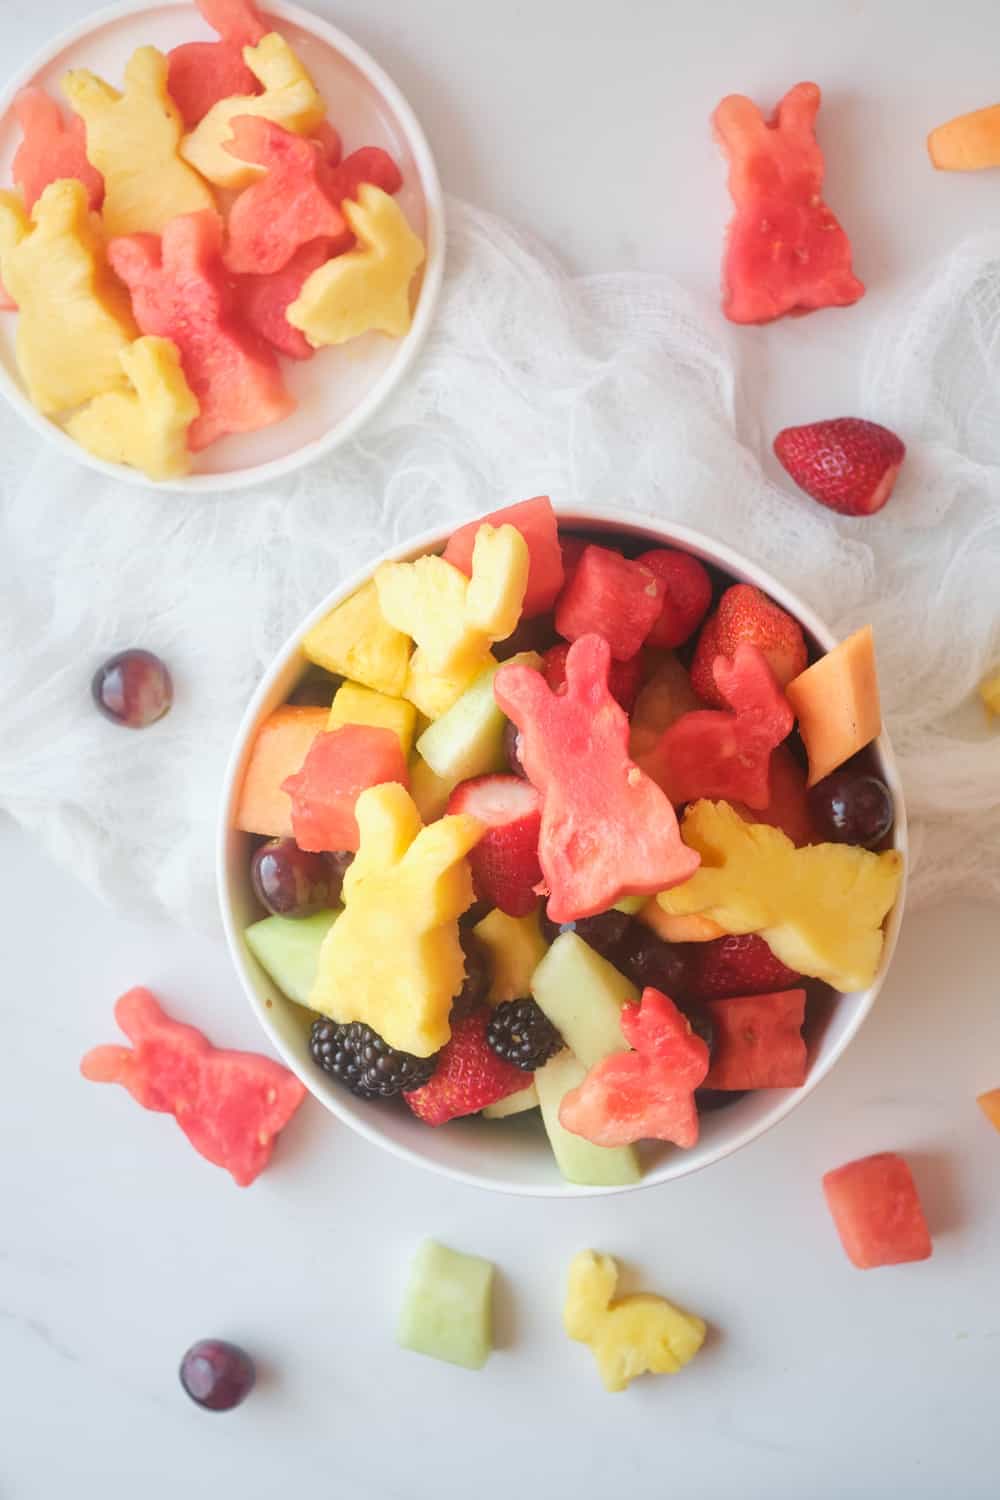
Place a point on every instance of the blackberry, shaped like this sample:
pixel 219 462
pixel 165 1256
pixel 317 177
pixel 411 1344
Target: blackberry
pixel 358 1058
pixel 521 1033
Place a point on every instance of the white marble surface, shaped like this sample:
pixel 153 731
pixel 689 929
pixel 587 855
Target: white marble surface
pixel 118 1246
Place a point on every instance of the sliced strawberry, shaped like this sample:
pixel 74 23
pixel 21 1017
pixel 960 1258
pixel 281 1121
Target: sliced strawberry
pixel 624 678
pixel 847 464
pixel 687 593
pixel 505 867
pixel 469 1074
pixel 732 966
pixel 745 614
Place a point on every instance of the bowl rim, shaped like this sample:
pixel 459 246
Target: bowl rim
pixel 430 288
pixel 677 1165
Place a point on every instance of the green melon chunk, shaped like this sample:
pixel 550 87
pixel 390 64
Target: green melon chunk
pixel 448 1307
pixel 467 741
pixel 582 995
pixel 630 905
pixel 514 1104
pixel 287 949
pixel 578 1160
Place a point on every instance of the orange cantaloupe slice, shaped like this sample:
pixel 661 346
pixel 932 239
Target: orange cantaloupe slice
pixel 281 745
pixel 684 929
pixel 836 702
pixel 968 143
pixel 989 1103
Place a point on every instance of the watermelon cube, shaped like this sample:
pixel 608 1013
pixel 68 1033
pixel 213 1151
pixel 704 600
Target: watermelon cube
pixel 340 765
pixel 611 597
pixel 877 1212
pixel 758 1041
pixel 536 521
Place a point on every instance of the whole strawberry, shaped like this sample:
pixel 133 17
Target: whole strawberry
pixel 469 1074
pixel 732 966
pixel 846 464
pixel 745 615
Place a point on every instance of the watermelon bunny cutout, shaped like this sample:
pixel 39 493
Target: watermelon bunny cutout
pixel 202 73
pixel 52 147
pixel 608 830
pixel 785 250
pixel 285 209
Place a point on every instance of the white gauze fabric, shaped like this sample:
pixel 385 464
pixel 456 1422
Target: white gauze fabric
pixel 595 390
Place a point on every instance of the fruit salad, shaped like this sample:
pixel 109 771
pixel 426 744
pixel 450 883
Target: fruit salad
pixel 171 238
pixel 561 824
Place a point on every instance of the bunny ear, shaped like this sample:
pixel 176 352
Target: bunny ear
pixel 107 1064
pixel 146 73
pixel 236 21
pixel 588 663
pixel 89 95
pixel 521 693
pixel 388 823
pixel 37 110
pixel 441 845
pixel 738 122
pixel 192 239
pixel 13 221
pixel 796 114
pixel 139 1015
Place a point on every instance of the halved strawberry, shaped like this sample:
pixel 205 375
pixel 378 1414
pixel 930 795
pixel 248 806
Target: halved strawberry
pixel 847 464
pixel 745 614
pixel 624 677
pixel 731 966
pixel 505 868
pixel 469 1074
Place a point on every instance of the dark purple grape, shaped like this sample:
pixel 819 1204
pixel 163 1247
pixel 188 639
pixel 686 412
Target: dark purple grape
pixel 700 1021
pixel 291 883
pixel 536 634
pixel 315 689
pixel 851 807
pixel 133 688
pixel 603 933
pixel 709 1099
pixel 217 1375
pixel 478 972
pixel 511 736
pixel 648 960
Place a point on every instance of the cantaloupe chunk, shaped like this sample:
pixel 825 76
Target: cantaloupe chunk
pixel 361 705
pixel 836 702
pixel 281 745
pixel 968 143
pixel 989 1103
pixel 692 928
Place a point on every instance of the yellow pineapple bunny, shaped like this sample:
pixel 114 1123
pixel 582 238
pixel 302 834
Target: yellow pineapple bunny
pixel 147 426
pixel 634 1336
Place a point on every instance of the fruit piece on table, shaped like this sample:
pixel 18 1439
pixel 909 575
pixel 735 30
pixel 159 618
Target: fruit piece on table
pixel 989 1103
pixel 468 740
pixel 279 748
pixel 284 209
pixel 612 597
pixel 747 616
pixel 819 909
pixel 180 291
pixel 989 692
pixel 288 948
pixel 51 148
pixel 731 966
pixel 848 465
pixel 514 1104
pixel 694 928
pixel 75 319
pixel 633 1336
pixel 758 1042
pixel 788 804
pixel 355 640
pixel 785 250
pixel 133 688
pixel 447 1311
pixel 877 1212
pixel 583 995
pixel 968 143
pixel 394 959
pixel 469 1074
pixel 339 765
pixel 647 1094
pixel 217 1375
pixel 289 98
pixel 836 702
pixel 850 807
pixel 368 288
pixel 230 1105
pixel 578 1161
pixel 624 677
pixel 133 140
pixel 432 692
pixel 146 427
pixel 202 73
pixel 687 594
pixel 263 301
pixel 607 829
pixel 665 696
pixel 536 521
pixel 505 868
pixel 429 791
pixel 516 948
pixel 354 704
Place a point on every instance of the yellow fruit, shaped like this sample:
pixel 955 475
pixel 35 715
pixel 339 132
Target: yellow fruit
pixel 968 143
pixel 516 948
pixel 133 139
pixel 393 959
pixel 836 702
pixel 820 908
pixel 75 319
pixel 147 426
pixel 500 562
pixel 989 1103
pixel 689 929
pixel 361 705
pixel 432 693
pixel 367 289
pixel 989 691
pixel 635 1336
pixel 354 640
pixel 662 700
pixel 290 99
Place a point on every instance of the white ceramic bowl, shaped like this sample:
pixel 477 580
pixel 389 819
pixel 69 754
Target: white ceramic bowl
pixel 339 389
pixel 513 1156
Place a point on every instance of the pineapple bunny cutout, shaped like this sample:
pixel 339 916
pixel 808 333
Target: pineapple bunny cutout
pixel 133 139
pixel 393 959
pixel 634 1336
pixel 145 427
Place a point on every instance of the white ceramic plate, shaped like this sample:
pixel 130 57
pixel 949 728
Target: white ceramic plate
pixel 513 1156
pixel 339 389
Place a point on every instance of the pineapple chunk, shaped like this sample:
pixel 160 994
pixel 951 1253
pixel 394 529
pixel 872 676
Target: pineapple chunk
pixel 634 1336
pixel 690 929
pixel 394 959
pixel 432 693
pixel 989 691
pixel 820 908
pixel 516 948
pixel 500 563
pixel 354 640
pixel 360 705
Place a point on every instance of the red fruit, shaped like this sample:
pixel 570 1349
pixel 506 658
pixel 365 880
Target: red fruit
pixel 7 303
pixel 687 593
pixel 785 251
pixel 624 677
pixel 202 73
pixel 504 864
pixel 573 548
pixel 52 147
pixel 339 766
pixel 745 614
pixel 469 1074
pixel 536 521
pixel 847 464
pixel 327 138
pixel 703 663
pixel 876 1208
pixel 788 802
pixel 611 597
pixel 607 829
pixel 367 164
pixel 283 210
pixel 735 966
pixel 230 1105
pixel 647 1094
pixel 263 301
pixel 758 1041
pixel 180 291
